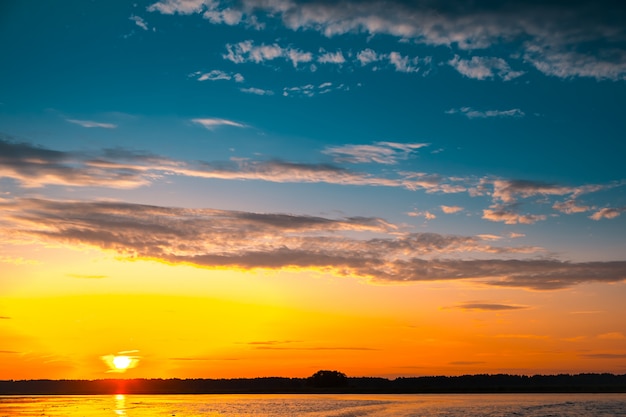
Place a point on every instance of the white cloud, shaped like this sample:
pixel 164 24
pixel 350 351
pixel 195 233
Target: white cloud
pixel 486 236
pixel 310 90
pixel 216 75
pixel 380 152
pixel 502 214
pixel 451 209
pixel 551 36
pixel 399 62
pixel 607 213
pixel 402 63
pixel 257 91
pixel 139 22
pixel 477 114
pixel 177 6
pixel 367 56
pixel 230 17
pixel 247 51
pixel 331 58
pixel 212 123
pixel 426 214
pixel 296 56
pixel 507 191
pixel 481 68
pixel 90 124
pixel 611 65
pixel 569 207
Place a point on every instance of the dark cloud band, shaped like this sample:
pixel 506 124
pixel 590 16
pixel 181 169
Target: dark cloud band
pixel 233 239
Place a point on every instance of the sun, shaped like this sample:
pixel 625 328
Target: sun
pixel 122 362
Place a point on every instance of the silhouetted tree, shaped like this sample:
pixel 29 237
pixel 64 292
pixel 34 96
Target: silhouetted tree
pixel 328 379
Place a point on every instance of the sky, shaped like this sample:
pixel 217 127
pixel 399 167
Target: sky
pixel 218 189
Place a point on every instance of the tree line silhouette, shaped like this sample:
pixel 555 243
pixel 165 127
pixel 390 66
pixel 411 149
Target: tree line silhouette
pixel 325 381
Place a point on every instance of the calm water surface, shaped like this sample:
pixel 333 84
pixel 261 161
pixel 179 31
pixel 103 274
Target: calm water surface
pixel 449 405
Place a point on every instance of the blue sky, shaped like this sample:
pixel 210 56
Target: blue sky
pixel 501 123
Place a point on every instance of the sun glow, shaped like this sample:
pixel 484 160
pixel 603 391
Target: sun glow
pixel 121 361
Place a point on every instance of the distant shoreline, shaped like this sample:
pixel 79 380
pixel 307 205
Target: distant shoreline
pixel 467 384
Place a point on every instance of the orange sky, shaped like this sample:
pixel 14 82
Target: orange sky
pixel 59 320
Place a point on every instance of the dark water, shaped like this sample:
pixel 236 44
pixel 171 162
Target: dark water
pixel 448 405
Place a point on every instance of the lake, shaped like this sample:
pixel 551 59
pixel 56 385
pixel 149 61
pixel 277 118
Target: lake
pixel 418 405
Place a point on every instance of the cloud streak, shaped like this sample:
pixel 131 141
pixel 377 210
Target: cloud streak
pixel 477 306
pixel 212 123
pixel 92 124
pixel 234 239
pixel 217 75
pixel 388 153
pixel 32 166
pixel 35 166
pixel 477 114
pixel 482 68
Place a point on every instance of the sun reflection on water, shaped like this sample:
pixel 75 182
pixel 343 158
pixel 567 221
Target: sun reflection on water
pixel 120 405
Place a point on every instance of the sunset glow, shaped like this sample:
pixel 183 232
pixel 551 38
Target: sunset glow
pixel 224 189
pixel 121 362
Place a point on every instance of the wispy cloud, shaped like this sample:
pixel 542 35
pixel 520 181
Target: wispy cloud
pixel 570 207
pixel 488 236
pixel 394 59
pixel 178 6
pixel 607 213
pixel 222 238
pixel 311 90
pixel 403 63
pixel 217 75
pixel 604 355
pixel 484 114
pixel 247 51
pixel 356 348
pixel 17 260
pixel 139 21
pixel 612 336
pixel 521 336
pixel 508 191
pixel 551 36
pixel 212 123
pixel 425 214
pixel 257 91
pixel 34 166
pixel 482 68
pixel 610 64
pixel 90 124
pixel 331 58
pixel 451 209
pixel 368 56
pixel 507 216
pixel 227 16
pixel 480 306
pixel 380 152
